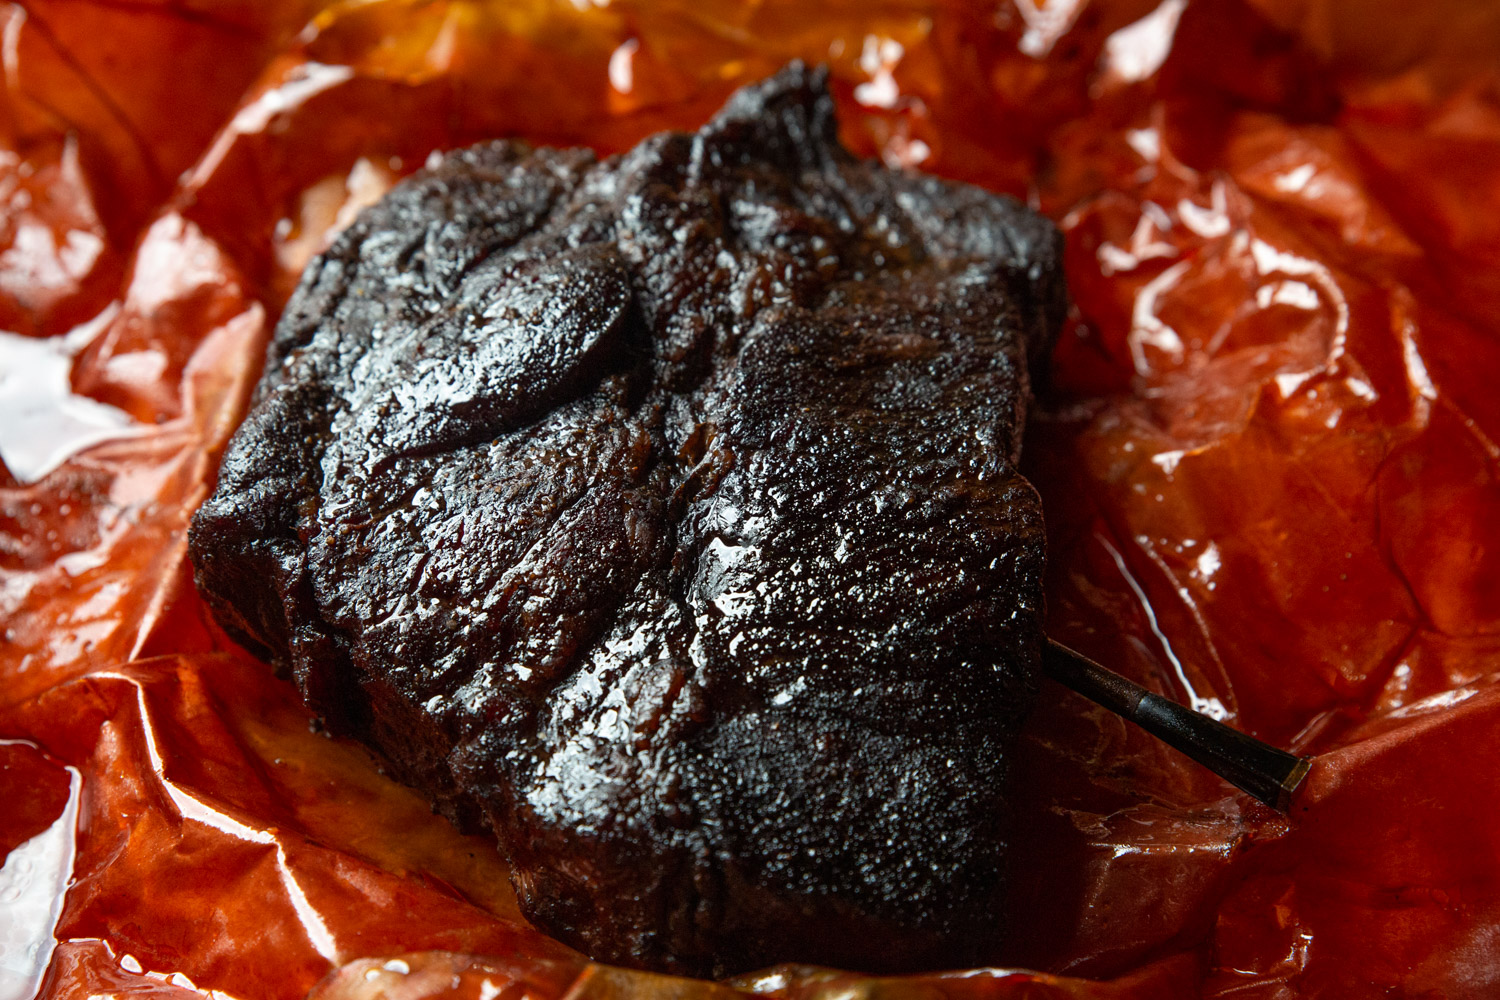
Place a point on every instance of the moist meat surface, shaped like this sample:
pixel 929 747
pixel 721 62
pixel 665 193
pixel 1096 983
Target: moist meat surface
pixel 662 513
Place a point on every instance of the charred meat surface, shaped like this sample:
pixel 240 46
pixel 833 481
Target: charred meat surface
pixel 662 513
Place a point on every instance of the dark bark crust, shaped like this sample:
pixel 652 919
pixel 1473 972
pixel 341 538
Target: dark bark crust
pixel 663 513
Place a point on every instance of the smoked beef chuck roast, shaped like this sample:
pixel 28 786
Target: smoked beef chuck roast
pixel 662 513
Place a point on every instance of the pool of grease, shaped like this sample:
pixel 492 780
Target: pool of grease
pixel 1266 448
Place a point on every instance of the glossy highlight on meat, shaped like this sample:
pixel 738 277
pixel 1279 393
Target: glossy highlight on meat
pixel 662 513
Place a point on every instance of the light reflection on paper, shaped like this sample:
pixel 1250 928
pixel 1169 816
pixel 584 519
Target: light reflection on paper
pixel 33 882
pixel 1047 21
pixel 1137 51
pixel 1211 707
pixel 42 421
pixel 190 807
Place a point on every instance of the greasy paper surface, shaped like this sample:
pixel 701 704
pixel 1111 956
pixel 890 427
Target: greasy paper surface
pixel 1267 450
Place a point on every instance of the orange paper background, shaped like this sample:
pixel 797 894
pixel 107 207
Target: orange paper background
pixel 1266 445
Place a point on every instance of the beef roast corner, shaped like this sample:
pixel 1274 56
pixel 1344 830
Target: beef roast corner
pixel 662 514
